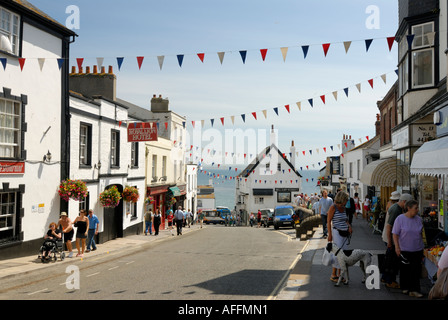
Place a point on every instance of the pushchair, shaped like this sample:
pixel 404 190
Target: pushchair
pixel 51 249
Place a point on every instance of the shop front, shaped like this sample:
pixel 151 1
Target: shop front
pixel 159 194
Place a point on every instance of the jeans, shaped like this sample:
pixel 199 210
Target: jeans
pixel 90 239
pixel 324 223
pixel 148 226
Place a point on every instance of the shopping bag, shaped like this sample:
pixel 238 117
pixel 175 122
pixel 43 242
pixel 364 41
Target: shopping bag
pixel 327 258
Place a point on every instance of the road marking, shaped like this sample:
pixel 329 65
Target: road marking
pixel 130 262
pixel 30 294
pixel 113 268
pixel 299 256
pixel 93 274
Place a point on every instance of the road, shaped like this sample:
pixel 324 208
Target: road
pixel 214 263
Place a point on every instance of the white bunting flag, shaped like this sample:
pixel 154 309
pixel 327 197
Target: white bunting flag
pixel 160 59
pixel 284 52
pixel 347 45
pixel 41 62
pixel 99 62
pixel 221 56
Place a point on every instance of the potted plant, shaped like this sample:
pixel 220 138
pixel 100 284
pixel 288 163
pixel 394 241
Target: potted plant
pixel 149 200
pixel 130 194
pixel 110 198
pixel 73 189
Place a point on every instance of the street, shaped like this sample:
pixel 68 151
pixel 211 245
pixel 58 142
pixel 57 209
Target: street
pixel 214 263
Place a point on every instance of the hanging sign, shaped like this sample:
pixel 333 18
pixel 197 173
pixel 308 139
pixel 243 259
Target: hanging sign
pixel 142 131
pixel 12 167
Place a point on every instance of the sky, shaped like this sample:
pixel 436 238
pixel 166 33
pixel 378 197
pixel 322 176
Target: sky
pixel 205 90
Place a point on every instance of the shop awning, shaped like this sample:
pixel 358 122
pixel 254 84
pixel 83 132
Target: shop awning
pixel 175 191
pixel 431 158
pixel 383 173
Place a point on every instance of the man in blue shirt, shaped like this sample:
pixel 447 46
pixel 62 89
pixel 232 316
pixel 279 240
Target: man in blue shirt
pixel 324 205
pixel 93 230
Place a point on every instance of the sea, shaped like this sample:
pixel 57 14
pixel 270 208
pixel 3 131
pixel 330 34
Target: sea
pixel 225 187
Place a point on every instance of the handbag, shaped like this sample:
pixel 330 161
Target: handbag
pixel 328 257
pixel 440 288
pixel 343 233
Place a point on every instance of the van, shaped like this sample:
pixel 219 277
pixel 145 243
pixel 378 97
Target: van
pixel 283 217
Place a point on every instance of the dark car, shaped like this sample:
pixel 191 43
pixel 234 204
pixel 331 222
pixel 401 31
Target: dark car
pixel 267 217
pixel 283 217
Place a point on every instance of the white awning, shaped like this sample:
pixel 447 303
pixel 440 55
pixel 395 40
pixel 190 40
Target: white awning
pixel 383 173
pixel 431 158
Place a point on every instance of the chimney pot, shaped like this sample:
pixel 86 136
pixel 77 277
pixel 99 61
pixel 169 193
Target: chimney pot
pixel 73 69
pixel 87 69
pixel 80 70
pixel 292 143
pixel 95 69
pixel 111 70
pixel 160 96
pixel 153 95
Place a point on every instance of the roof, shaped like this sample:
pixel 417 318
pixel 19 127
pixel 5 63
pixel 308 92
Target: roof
pixel 35 12
pixel 366 144
pixel 251 167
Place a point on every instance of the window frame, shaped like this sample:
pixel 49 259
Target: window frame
pixel 114 148
pixel 88 145
pixel 13 37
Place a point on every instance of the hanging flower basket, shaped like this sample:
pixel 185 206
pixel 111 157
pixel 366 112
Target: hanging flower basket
pixel 73 189
pixel 149 200
pixel 110 198
pixel 130 194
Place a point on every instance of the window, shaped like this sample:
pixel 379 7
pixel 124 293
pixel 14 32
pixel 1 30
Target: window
pixel 10 130
pixel 8 211
pixel 358 169
pixel 259 200
pixel 164 166
pixel 85 145
pixel 134 154
pixel 9 31
pixel 115 149
pixel 350 169
pixel 154 168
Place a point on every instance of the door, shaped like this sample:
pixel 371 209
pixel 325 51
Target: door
pixel 113 220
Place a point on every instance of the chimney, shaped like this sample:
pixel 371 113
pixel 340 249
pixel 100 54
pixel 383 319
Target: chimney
pixel 159 104
pixel 293 154
pixel 273 137
pixel 94 84
pixel 377 125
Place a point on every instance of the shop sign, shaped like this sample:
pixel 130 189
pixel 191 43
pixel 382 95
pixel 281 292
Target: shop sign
pixel 400 138
pixel 422 133
pixel 441 121
pixel 142 131
pixel 12 167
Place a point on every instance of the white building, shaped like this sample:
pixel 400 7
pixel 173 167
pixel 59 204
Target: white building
pixel 268 181
pixel 33 123
pixel 101 155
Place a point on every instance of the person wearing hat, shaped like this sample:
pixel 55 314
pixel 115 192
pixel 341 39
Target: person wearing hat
pixel 391 265
pixel 67 229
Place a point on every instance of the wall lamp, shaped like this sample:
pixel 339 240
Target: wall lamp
pixel 98 165
pixel 47 157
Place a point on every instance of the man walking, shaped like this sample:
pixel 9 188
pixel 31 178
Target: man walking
pixel 67 228
pixel 179 217
pixel 324 205
pixel 93 230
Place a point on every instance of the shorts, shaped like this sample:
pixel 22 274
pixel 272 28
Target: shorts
pixel 68 236
pixel 170 223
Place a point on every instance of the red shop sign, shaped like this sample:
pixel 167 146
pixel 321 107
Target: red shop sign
pixel 12 167
pixel 142 131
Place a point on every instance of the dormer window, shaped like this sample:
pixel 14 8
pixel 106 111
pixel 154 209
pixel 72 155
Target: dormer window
pixel 9 31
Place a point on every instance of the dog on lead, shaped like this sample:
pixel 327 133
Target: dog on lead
pixel 348 258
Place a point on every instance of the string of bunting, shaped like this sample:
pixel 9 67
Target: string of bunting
pixel 201 56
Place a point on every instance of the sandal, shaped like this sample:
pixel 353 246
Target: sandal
pixel 334 278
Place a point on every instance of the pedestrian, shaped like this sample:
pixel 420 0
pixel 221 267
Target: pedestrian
pixel 170 219
pixel 259 218
pixel 201 217
pixel 67 229
pixel 366 204
pixel 324 205
pixel 350 209
pixel 179 218
pixel 408 239
pixel 94 224
pixel 251 219
pixel 339 228
pixel 189 218
pixel 82 224
pixel 357 204
pixel 157 221
pixel 149 216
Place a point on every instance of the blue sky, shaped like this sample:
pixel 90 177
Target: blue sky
pixel 206 90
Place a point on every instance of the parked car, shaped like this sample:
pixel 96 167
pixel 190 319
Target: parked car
pixel 212 216
pixel 283 217
pixel 267 217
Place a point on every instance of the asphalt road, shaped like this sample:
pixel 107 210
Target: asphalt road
pixel 215 263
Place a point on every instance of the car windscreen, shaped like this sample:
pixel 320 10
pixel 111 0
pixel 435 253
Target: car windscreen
pixel 284 211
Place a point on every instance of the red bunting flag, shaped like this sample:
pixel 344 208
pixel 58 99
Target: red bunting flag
pixel 166 125
pixel 22 63
pixel 345 143
pixel 255 115
pixel 79 61
pixel 140 61
pixel 325 149
pixel 201 56
pixel 192 122
pixel 371 82
pixel 263 53
pixel 323 98
pixel 367 137
pixel 326 46
pixel 222 121
pixel 303 152
pixel 390 42
pixel 287 107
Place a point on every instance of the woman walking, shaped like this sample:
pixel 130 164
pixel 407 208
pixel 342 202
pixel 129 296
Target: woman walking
pixel 82 224
pixel 157 222
pixel 408 239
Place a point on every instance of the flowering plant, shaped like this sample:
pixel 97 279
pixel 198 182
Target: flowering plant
pixel 73 189
pixel 149 200
pixel 130 194
pixel 110 198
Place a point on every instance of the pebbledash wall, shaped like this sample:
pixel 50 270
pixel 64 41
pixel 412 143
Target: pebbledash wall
pixel 36 100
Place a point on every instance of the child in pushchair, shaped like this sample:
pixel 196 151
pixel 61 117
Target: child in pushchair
pixel 52 245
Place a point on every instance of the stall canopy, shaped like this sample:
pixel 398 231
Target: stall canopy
pixel 431 158
pixel 175 191
pixel 383 172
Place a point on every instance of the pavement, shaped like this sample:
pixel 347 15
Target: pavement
pixel 309 279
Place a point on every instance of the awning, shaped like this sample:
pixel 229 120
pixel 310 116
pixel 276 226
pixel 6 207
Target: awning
pixel 431 158
pixel 383 173
pixel 175 191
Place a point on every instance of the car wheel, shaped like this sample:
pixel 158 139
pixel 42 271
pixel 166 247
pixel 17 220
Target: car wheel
pixel 276 227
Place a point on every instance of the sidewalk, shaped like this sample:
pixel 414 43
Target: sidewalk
pixel 13 267
pixel 310 280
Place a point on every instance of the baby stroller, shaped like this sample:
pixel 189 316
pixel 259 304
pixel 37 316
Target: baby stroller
pixel 51 249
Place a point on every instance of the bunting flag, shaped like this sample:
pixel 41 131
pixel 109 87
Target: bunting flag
pixel 287 107
pixel 79 61
pixel 140 61
pixel 305 51
pixel 284 51
pixel 370 81
pixel 22 63
pixel 323 98
pixel 390 42
pixel 263 53
pixel 160 59
pixel 180 59
pixel 41 62
pixel 347 45
pixel 326 46
pixel 201 57
pixel 99 62
pixel 368 43
pixel 255 115
pixel 243 55
pixel 311 102
pixel 60 63
pixel 3 61
pixel 120 62
pixel 221 56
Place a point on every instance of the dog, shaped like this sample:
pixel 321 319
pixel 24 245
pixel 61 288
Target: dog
pixel 348 258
